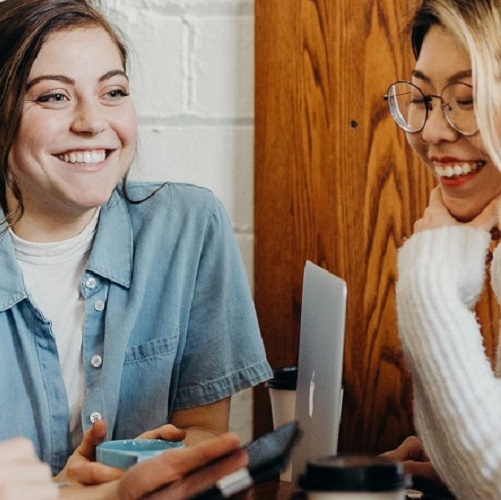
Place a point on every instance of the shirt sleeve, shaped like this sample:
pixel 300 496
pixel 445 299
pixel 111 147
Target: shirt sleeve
pixel 457 398
pixel 224 351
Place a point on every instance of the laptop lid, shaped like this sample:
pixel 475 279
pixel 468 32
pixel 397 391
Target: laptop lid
pixel 320 366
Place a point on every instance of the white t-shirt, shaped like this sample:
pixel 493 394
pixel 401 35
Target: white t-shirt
pixel 52 273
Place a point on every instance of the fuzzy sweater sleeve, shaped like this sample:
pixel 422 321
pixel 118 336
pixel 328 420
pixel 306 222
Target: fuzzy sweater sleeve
pixel 457 398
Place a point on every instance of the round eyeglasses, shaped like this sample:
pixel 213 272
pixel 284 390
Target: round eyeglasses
pixel 409 107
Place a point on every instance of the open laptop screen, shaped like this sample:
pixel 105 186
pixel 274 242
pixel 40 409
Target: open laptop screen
pixel 320 367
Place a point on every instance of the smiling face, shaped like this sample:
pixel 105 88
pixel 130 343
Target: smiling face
pixel 467 176
pixel 78 130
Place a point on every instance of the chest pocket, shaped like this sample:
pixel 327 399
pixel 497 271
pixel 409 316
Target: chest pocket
pixel 145 387
pixel 157 348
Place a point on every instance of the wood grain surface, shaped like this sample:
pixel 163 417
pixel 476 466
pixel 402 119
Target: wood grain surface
pixel 336 183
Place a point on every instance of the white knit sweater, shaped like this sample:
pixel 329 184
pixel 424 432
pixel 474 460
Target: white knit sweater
pixel 457 397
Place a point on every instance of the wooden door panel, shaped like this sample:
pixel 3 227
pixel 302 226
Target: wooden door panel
pixel 335 183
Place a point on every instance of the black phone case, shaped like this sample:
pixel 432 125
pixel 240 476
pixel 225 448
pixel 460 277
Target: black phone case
pixel 268 456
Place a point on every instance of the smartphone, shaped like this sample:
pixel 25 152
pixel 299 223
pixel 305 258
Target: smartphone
pixel 268 456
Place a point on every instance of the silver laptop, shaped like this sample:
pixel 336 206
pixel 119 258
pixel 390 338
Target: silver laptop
pixel 320 369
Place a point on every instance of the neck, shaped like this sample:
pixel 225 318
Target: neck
pixel 47 227
pixel 43 229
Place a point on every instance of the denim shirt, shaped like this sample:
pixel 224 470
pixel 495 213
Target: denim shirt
pixel 169 323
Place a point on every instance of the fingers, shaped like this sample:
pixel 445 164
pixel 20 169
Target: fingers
pixel 17 449
pixel 419 226
pixel 168 432
pixel 29 491
pixel 436 198
pixel 204 478
pixel 81 467
pixel 425 478
pixel 173 464
pixel 35 471
pixel 94 436
pixel 410 449
pixel 488 218
pixel 420 469
pixel 92 473
pixel 22 474
pixel 417 464
pixel 436 213
pixel 207 451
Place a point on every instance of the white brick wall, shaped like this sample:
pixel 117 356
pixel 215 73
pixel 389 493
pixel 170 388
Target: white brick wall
pixel 192 70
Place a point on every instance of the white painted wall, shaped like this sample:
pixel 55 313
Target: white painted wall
pixel 192 71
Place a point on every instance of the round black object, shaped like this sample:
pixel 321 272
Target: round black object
pixel 284 378
pixel 353 473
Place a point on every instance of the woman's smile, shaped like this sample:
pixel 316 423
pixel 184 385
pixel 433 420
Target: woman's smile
pixel 453 169
pixel 468 177
pixel 83 156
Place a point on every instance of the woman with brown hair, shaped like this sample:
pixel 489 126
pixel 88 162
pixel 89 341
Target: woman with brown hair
pixel 119 300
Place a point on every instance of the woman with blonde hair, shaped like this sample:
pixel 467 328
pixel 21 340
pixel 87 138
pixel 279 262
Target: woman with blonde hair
pixel 451 111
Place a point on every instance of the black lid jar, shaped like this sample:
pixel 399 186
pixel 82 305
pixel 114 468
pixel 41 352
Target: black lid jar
pixel 354 476
pixel 284 378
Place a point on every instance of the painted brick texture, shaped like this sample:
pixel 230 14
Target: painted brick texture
pixel 192 74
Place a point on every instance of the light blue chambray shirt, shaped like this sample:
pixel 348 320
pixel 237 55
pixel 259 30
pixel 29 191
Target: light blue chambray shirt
pixel 169 323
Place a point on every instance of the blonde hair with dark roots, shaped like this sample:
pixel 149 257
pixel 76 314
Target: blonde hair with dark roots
pixel 24 27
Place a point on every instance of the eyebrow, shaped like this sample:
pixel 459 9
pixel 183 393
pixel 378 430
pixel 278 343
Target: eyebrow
pixel 456 76
pixel 71 81
pixel 58 78
pixel 112 73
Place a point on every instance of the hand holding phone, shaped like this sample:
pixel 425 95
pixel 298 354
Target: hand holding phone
pixel 268 456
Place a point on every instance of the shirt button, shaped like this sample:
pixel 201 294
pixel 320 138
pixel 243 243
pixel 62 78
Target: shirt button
pixel 90 283
pixel 99 305
pixel 96 361
pixel 95 416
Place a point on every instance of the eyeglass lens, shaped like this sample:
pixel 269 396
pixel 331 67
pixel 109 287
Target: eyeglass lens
pixel 409 107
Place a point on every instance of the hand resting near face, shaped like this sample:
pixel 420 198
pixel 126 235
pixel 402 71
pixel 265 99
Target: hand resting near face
pixel 436 215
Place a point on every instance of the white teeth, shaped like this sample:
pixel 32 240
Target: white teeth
pixel 83 157
pixel 456 170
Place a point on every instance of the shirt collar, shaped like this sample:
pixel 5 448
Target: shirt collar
pixel 111 255
pixel 11 285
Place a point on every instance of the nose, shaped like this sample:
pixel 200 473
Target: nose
pixel 89 119
pixel 437 128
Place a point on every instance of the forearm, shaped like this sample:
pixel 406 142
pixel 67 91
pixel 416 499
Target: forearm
pixel 203 422
pixel 195 435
